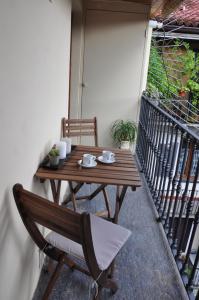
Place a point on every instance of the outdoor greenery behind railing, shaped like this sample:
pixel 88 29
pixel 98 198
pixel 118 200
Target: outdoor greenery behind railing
pixel 173 71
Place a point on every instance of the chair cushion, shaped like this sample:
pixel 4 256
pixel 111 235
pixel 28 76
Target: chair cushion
pixel 108 239
pixel 65 244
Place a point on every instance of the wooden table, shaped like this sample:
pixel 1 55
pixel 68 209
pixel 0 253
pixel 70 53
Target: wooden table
pixel 123 174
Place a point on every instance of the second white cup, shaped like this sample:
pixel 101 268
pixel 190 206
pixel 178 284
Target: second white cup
pixel 108 155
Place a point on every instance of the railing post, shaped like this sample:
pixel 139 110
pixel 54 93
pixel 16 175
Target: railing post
pixel 190 202
pixel 189 285
pixel 170 171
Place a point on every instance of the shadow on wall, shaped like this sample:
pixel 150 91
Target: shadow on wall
pixel 17 253
pixel 19 256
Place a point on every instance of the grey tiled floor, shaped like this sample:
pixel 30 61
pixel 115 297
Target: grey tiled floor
pixel 144 270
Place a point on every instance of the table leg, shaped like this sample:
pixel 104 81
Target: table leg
pixel 55 190
pixel 119 200
pixel 72 190
pixel 107 202
pixel 117 207
pixel 122 195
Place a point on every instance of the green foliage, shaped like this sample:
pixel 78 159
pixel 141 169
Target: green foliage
pixel 54 152
pixel 123 131
pixel 158 84
pixel 188 64
pixel 163 82
pixel 193 85
pixel 188 271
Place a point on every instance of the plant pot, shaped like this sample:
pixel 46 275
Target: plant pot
pixel 182 93
pixel 54 160
pixel 125 145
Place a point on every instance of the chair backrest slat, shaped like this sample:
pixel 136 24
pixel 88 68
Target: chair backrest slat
pixel 80 121
pixel 83 133
pixel 80 127
pixel 48 214
pixel 77 127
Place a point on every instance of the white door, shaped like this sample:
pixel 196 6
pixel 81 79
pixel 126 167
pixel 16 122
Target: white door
pixel 113 56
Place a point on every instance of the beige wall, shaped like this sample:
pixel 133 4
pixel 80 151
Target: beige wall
pixel 114 51
pixel 34 71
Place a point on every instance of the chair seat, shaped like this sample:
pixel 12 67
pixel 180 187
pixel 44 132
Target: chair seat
pixel 108 239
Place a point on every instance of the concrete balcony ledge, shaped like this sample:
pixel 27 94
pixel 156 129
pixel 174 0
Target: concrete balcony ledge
pixel 145 268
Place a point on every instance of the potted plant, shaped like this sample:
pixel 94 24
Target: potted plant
pixel 54 157
pixel 124 133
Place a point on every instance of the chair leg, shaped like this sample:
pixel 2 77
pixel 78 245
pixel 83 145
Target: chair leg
pixel 49 267
pixel 111 271
pixel 111 284
pixel 97 297
pixel 53 279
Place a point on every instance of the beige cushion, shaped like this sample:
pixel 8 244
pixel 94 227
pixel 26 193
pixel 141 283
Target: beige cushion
pixel 65 244
pixel 108 239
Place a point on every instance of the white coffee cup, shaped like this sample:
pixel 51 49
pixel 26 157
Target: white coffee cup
pixel 88 159
pixel 108 155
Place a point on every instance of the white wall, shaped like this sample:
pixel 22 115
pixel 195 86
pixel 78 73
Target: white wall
pixel 34 71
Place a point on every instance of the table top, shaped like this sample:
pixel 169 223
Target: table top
pixel 122 172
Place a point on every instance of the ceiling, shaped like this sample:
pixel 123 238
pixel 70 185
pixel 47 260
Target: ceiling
pixel 140 1
pixel 163 7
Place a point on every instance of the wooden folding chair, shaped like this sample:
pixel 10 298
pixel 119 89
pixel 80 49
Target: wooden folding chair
pixel 86 236
pixel 80 127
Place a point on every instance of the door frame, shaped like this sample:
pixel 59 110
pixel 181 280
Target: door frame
pixel 77 59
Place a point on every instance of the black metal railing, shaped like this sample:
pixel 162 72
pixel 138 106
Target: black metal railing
pixel 168 153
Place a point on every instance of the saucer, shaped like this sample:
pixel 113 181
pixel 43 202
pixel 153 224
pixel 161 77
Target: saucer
pixel 80 163
pixel 100 158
